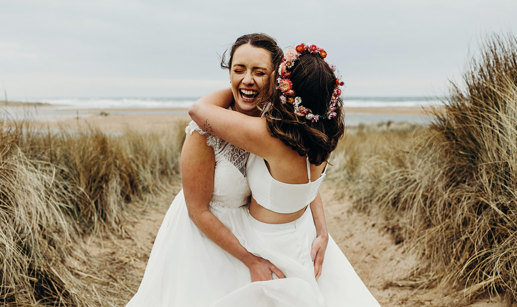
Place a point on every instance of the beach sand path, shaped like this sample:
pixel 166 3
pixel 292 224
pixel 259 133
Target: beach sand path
pixel 365 240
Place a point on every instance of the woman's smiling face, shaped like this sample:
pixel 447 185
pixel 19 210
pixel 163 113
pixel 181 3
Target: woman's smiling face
pixel 249 74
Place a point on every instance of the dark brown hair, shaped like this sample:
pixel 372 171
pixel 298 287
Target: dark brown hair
pixel 314 82
pixel 259 40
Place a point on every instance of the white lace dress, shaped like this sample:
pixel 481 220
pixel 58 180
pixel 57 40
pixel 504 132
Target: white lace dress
pixel 186 268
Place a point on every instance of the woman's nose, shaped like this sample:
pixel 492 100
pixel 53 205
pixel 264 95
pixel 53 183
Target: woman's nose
pixel 248 78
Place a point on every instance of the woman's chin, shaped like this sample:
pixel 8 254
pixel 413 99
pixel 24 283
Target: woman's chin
pixel 246 106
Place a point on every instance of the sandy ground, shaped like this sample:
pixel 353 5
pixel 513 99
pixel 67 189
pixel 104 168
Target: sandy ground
pixel 382 264
pixel 364 239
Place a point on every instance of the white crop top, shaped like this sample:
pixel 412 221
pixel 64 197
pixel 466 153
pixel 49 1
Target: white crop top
pixel 278 196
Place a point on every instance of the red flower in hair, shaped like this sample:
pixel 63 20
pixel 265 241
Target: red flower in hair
pixel 300 48
pixel 313 48
pixel 323 53
pixel 289 92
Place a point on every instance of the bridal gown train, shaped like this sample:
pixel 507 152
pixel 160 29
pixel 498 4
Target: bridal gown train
pixel 186 268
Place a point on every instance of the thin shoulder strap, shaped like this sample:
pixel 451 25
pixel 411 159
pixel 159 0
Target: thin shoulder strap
pixel 308 170
pixel 325 169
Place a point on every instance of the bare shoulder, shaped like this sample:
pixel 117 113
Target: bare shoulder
pixel 289 166
pixel 195 147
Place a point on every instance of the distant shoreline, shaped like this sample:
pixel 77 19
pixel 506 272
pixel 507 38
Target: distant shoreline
pixel 162 118
pixel 14 103
pixel 80 103
pixel 47 107
pixel 159 119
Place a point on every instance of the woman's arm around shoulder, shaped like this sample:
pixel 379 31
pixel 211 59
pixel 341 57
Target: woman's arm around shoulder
pixel 197 172
pixel 247 132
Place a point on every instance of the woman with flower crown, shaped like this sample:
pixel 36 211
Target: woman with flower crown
pixel 197 255
pixel 289 145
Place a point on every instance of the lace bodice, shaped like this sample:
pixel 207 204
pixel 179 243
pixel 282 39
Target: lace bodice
pixel 230 184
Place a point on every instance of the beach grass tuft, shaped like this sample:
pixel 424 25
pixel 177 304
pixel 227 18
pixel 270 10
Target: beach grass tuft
pixel 450 188
pixel 58 186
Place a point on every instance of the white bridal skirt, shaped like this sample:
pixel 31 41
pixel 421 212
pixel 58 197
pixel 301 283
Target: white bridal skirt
pixel 186 268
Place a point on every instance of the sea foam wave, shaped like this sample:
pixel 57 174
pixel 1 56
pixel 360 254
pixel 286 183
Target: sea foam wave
pixel 182 102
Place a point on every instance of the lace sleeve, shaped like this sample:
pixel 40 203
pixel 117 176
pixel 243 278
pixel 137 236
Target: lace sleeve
pixel 192 126
pixel 211 140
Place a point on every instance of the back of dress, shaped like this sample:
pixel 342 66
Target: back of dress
pixel 278 196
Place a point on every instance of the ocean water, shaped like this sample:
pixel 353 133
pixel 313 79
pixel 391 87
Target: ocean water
pixel 150 105
pixel 185 102
pixel 356 119
pixel 120 102
pixel 377 102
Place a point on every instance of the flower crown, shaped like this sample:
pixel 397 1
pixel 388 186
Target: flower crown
pixel 286 86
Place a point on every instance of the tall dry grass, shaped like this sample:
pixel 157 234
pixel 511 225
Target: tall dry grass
pixel 57 186
pixel 451 188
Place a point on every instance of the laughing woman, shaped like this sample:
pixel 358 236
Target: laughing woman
pixel 197 256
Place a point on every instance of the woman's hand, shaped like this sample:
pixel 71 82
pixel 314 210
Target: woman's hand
pixel 262 269
pixel 319 246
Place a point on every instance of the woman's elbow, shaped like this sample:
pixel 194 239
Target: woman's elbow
pixel 193 110
pixel 193 214
pixel 198 217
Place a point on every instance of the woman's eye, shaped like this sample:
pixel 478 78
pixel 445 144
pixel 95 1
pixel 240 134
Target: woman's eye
pixel 260 73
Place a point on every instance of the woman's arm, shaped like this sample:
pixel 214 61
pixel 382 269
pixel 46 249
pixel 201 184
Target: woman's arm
pixel 197 172
pixel 247 132
pixel 319 246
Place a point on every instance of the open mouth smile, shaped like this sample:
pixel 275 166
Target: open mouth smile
pixel 248 95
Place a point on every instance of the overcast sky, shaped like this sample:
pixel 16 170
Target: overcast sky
pixel 170 48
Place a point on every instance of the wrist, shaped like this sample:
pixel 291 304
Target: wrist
pixel 249 259
pixel 323 234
